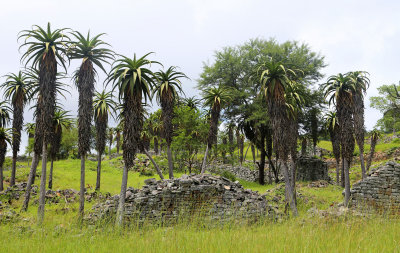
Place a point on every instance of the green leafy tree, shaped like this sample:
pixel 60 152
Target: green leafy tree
pixel 92 52
pixel 166 91
pixel 133 80
pixel 103 106
pixel 46 49
pixel 389 105
pixel 17 89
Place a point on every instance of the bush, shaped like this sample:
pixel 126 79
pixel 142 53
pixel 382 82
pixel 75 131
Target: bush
pixel 146 172
pixel 396 140
pixel 228 175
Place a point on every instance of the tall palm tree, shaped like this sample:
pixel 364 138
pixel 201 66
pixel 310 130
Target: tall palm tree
pixel 375 135
pixel 92 53
pixel 46 48
pixel 133 80
pixel 17 89
pixel 340 88
pixel 333 128
pixel 34 76
pixel 61 120
pixel 361 83
pixel 216 98
pixel 103 106
pixel 166 91
pixel 276 80
pixel 192 102
pixel 5 112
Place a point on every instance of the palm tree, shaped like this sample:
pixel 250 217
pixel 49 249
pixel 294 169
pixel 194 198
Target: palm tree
pixel 30 130
pixel 216 98
pixel 91 51
pixel 17 89
pixel 110 136
pixel 46 48
pixel 361 83
pixel 276 81
pixel 61 120
pixel 103 106
pixel 192 102
pixel 168 85
pixel 375 135
pixel 117 131
pixel 341 89
pixel 34 76
pixel 5 112
pixel 134 81
pixel 334 132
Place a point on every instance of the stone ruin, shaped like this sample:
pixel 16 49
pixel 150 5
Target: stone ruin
pixel 308 169
pixel 380 190
pixel 213 197
pixel 311 169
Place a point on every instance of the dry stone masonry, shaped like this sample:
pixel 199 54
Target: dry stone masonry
pixel 312 169
pixel 241 172
pixel 213 197
pixel 380 190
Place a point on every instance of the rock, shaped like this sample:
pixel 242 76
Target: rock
pixel 150 181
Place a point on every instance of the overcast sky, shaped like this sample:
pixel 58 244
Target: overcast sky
pixel 352 35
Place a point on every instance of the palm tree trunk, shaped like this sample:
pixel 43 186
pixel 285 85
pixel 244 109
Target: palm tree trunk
pixel 204 165
pixel 98 171
pixel 342 176
pixel 1 178
pixel 31 180
pixel 122 195
pixel 371 154
pixel 51 175
pixel 253 152
pixel 245 155
pixel 337 172
pixel 154 163
pixel 362 163
pixel 82 188
pixel 13 170
pixel 289 191
pixel 347 182
pixel 261 166
pixel 42 194
pixel 170 162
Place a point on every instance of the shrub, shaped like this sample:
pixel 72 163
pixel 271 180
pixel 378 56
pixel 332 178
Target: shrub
pixel 228 175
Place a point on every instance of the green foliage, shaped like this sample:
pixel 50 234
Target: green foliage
pixel 228 175
pixel 387 103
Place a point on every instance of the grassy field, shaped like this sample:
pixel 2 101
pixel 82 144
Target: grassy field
pixel 60 231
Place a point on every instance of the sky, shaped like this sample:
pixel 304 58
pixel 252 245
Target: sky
pixel 352 35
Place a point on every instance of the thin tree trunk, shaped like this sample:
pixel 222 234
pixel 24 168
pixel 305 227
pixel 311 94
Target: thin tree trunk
pixel 42 194
pixel 371 154
pixel 204 165
pixel 347 182
pixel 289 191
pixel 51 175
pixel 98 176
pixel 245 154
pixel 82 188
pixel 342 176
pixel 261 166
pixel 337 172
pixel 1 178
pixel 362 163
pixel 109 151
pixel 31 180
pixel 156 145
pixel 253 152
pixel 13 170
pixel 154 163
pixel 170 162
pixel 122 195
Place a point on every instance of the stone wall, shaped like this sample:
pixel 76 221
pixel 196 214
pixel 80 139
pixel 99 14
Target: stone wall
pixel 241 172
pixel 213 197
pixel 380 190
pixel 311 169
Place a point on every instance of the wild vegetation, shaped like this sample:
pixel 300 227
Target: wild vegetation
pixel 271 96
